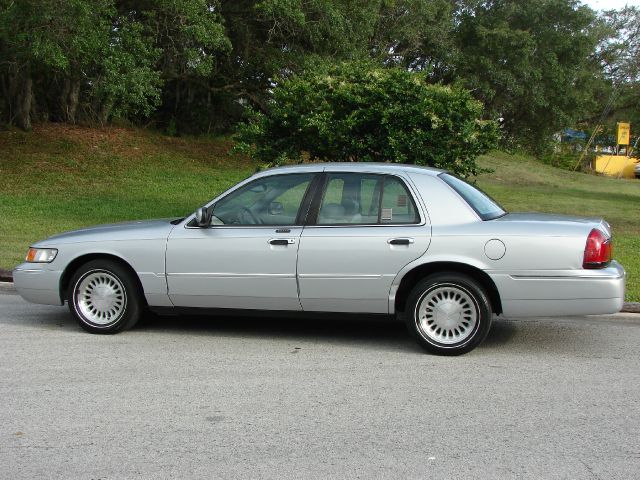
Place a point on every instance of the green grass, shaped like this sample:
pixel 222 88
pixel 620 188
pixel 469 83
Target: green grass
pixel 60 178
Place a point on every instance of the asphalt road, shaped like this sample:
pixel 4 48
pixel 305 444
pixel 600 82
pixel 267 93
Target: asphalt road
pixel 262 398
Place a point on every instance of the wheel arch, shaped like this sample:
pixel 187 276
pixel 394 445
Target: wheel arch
pixel 77 262
pixel 419 272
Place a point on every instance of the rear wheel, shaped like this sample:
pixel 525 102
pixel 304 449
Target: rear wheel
pixel 448 313
pixel 104 297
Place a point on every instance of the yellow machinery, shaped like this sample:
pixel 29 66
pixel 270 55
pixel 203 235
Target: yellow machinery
pixel 618 165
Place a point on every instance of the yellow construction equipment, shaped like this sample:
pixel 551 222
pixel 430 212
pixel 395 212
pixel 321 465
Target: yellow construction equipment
pixel 618 165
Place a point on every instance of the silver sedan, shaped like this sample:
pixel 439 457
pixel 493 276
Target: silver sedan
pixel 413 242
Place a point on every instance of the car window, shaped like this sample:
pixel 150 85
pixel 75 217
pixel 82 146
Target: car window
pixel 484 206
pixel 397 204
pixel 356 199
pixel 273 200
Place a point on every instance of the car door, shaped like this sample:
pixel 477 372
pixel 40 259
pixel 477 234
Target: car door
pixel 247 257
pixel 364 227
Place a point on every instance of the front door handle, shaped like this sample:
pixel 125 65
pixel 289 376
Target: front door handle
pixel 400 241
pixel 282 241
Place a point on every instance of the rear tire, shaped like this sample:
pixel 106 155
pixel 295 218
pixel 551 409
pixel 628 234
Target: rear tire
pixel 448 313
pixel 104 297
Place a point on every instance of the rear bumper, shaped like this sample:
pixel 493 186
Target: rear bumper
pixel 37 284
pixel 580 292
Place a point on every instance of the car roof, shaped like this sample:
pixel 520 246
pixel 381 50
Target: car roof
pixel 368 167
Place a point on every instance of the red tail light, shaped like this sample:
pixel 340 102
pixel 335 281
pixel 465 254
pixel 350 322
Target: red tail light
pixel 598 251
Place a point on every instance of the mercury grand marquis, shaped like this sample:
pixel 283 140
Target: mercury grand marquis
pixel 412 242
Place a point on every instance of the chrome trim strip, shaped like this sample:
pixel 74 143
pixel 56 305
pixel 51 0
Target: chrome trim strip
pixel 347 276
pixel 355 225
pixel 231 275
pixel 240 227
pixel 339 225
pixel 567 277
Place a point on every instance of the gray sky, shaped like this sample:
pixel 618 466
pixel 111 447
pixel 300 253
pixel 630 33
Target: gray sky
pixel 611 4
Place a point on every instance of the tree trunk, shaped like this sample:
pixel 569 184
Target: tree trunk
pixel 69 99
pixel 23 102
pixel 64 94
pixel 6 105
pixel 74 99
pixel 105 111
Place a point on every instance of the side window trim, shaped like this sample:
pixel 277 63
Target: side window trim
pixel 318 196
pixel 306 206
pixel 314 210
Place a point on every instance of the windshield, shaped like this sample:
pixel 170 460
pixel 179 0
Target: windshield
pixel 484 205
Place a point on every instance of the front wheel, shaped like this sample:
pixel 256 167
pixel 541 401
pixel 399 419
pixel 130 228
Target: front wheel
pixel 104 297
pixel 448 313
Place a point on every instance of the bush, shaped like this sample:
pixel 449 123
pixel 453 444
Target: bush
pixel 357 112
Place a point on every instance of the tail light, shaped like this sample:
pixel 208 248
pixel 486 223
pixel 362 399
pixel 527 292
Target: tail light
pixel 598 250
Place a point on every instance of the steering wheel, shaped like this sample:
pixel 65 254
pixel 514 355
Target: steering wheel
pixel 244 213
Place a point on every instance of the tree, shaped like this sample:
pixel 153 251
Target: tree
pixel 530 63
pixel 192 44
pixel 417 35
pixel 619 54
pixel 360 112
pixel 57 55
pixel 28 44
pixel 537 67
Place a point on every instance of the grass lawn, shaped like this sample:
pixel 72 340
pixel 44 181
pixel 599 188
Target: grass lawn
pixel 59 178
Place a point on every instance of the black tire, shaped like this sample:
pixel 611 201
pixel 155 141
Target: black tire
pixel 453 332
pixel 115 306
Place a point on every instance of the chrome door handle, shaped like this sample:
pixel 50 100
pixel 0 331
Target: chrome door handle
pixel 400 241
pixel 282 241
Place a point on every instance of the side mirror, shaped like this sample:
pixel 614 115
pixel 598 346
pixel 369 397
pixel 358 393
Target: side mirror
pixel 203 217
pixel 276 208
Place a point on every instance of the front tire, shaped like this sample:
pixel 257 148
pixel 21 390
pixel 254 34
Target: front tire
pixel 104 297
pixel 448 313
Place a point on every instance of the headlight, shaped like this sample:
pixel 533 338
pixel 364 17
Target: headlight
pixel 41 255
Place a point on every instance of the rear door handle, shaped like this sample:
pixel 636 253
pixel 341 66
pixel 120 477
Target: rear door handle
pixel 282 241
pixel 400 241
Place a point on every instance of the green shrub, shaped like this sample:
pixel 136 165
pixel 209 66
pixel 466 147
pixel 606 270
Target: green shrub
pixel 357 112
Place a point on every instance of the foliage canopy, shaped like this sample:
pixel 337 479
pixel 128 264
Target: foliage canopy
pixel 536 66
pixel 359 112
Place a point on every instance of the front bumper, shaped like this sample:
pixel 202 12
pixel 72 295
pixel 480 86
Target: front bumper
pixel 580 292
pixel 38 283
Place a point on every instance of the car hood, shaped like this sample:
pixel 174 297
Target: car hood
pixel 136 230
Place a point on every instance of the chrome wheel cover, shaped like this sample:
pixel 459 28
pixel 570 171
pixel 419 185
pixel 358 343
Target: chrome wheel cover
pixel 100 298
pixel 447 314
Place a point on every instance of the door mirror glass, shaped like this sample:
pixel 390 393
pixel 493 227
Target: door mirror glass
pixel 276 208
pixel 203 217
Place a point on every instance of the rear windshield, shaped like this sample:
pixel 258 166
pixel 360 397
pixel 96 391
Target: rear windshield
pixel 484 205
